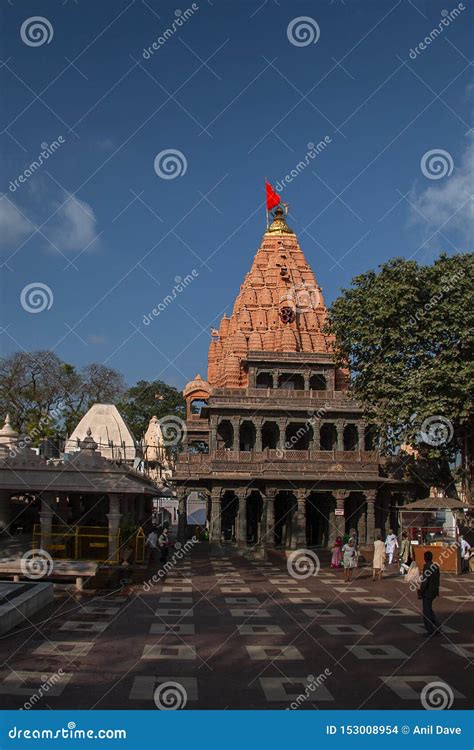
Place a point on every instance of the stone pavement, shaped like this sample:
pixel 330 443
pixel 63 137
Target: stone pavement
pixel 238 634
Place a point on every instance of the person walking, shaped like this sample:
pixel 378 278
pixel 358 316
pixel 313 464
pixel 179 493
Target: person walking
pixel 152 545
pixel 465 554
pixel 163 544
pixel 391 544
pixel 428 591
pixel 349 558
pixel 405 556
pixel 336 553
pixel 379 559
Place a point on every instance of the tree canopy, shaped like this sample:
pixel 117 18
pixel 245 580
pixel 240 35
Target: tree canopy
pixel 148 398
pixel 407 334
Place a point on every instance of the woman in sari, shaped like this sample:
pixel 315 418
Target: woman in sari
pixel 349 553
pixel 336 553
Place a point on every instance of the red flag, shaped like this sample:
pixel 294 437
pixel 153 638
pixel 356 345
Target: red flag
pixel 273 199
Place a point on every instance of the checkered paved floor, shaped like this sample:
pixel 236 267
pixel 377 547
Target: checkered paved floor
pixel 240 634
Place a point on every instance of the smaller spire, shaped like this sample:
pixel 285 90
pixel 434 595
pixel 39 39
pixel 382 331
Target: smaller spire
pixel 279 225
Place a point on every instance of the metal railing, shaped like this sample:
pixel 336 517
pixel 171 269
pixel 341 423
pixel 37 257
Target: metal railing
pixel 78 543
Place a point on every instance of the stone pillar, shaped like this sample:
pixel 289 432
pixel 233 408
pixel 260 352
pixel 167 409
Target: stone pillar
pixel 301 519
pixel 306 380
pixel 340 436
pixel 316 436
pixel 4 509
pixel 339 520
pixel 213 434
pixel 46 518
pixel 270 521
pixel 182 494
pixel 258 435
pixel 360 436
pixel 215 530
pixel 114 517
pixel 275 375
pixel 370 497
pixel 235 433
pixel 362 525
pixel 241 530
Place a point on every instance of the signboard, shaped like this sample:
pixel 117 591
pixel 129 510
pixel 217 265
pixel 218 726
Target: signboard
pixel 339 512
pixel 196 509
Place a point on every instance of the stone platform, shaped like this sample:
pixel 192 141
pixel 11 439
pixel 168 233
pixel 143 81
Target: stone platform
pixel 19 601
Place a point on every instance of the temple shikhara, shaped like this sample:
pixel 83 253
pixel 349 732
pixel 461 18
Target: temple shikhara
pixel 274 443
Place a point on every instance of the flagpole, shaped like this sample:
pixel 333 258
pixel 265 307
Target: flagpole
pixel 266 209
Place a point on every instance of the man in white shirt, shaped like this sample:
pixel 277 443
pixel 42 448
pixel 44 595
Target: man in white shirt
pixel 465 554
pixel 391 544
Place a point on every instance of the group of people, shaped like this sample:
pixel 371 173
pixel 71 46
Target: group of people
pixel 157 544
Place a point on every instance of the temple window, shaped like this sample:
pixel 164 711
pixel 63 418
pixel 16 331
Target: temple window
pixel 298 436
pixel 270 435
pixel 291 382
pixel 264 380
pixel 247 436
pixel 225 435
pixel 328 437
pixel 198 446
pixel 196 405
pixel 350 437
pixel 317 382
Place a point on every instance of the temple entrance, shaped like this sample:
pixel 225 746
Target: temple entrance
pixel 229 508
pixel 285 508
pixel 254 517
pixel 317 523
pixel 352 511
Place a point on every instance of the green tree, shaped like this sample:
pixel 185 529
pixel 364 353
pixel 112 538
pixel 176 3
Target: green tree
pixel 407 334
pixel 145 399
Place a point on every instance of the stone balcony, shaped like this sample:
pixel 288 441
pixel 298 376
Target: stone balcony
pixel 309 399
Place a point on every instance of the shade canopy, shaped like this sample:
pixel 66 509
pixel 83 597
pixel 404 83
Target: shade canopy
pixel 436 503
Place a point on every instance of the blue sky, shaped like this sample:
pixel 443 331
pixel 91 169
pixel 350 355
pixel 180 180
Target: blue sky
pixel 232 92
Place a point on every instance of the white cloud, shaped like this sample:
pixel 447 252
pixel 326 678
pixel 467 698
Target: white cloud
pixel 448 203
pixel 14 226
pixel 74 226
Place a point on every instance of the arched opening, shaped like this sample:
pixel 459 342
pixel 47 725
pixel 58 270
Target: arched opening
pixel 196 406
pixel 270 435
pixel 369 439
pixel 198 446
pixel 229 508
pixel 247 436
pixel 298 436
pixel 254 517
pixel 328 437
pixel 352 511
pixel 291 382
pixel 264 380
pixel 317 382
pixel 351 437
pixel 285 508
pixel 225 435
pixel 317 519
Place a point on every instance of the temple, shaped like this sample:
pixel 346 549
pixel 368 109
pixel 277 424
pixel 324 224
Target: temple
pixel 274 442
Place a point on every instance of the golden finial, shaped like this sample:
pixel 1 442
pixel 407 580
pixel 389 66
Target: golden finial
pixel 279 225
